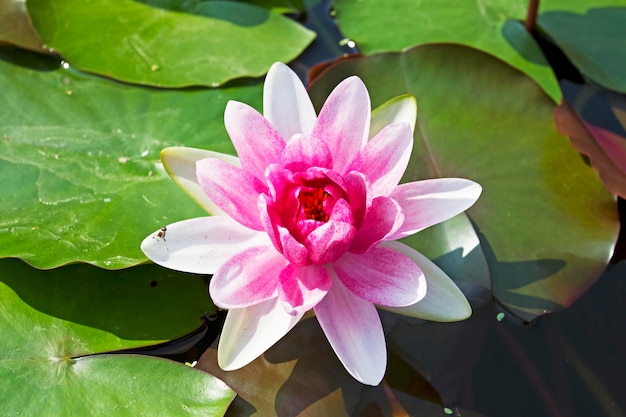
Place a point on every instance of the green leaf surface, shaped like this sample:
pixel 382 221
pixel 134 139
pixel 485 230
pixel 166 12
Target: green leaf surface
pixel 492 26
pixel 80 168
pixel 51 321
pixel 15 26
pixel 547 226
pixel 208 43
pixel 595 42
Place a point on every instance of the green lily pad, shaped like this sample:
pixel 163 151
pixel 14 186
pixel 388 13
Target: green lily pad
pixel 82 176
pixel 492 26
pixel 595 42
pixel 211 43
pixel 55 322
pixel 15 26
pixel 547 226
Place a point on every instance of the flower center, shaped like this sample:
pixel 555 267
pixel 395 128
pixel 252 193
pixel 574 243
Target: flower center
pixel 312 204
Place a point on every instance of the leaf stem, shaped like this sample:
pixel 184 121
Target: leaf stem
pixel 531 15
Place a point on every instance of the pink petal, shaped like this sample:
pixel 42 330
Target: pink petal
pixel 233 190
pixel 343 122
pixel 294 251
pixel 432 201
pixel 200 245
pixel 382 276
pixel 286 103
pixel 303 152
pixel 359 195
pixel 257 143
pixel 270 220
pixel 250 331
pixel 353 328
pixel 385 158
pixel 302 287
pixel 330 240
pixel 443 301
pixel 247 278
pixel 383 218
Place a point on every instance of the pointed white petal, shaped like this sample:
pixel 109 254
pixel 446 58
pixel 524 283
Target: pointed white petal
pixel 433 201
pixel 286 103
pixel 200 245
pixel 354 330
pixel 180 164
pixel 249 332
pixel 397 110
pixel 444 301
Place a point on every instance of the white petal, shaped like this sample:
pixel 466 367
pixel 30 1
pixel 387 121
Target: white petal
pixel 200 245
pixel 354 330
pixel 286 103
pixel 397 110
pixel 444 301
pixel 180 164
pixel 432 201
pixel 249 332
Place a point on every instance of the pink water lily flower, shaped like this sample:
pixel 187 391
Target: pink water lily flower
pixel 307 217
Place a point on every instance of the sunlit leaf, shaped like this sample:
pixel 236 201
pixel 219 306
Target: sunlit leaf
pixel 206 43
pixel 51 321
pixel 547 225
pixel 81 174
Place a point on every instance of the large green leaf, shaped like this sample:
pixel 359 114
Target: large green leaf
pixel 79 160
pixel 547 226
pixel 214 42
pixel 53 322
pixel 491 25
pixel 595 42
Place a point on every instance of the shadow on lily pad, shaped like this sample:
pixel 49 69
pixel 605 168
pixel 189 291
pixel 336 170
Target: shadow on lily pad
pixel 520 277
pixel 141 303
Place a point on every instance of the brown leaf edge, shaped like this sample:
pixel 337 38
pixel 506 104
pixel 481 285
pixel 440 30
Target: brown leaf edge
pixel 602 147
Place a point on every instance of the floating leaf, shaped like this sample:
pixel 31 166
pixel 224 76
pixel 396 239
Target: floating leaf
pixel 210 44
pixel 595 42
pixel 54 321
pixel 546 224
pixel 493 27
pixel 81 175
